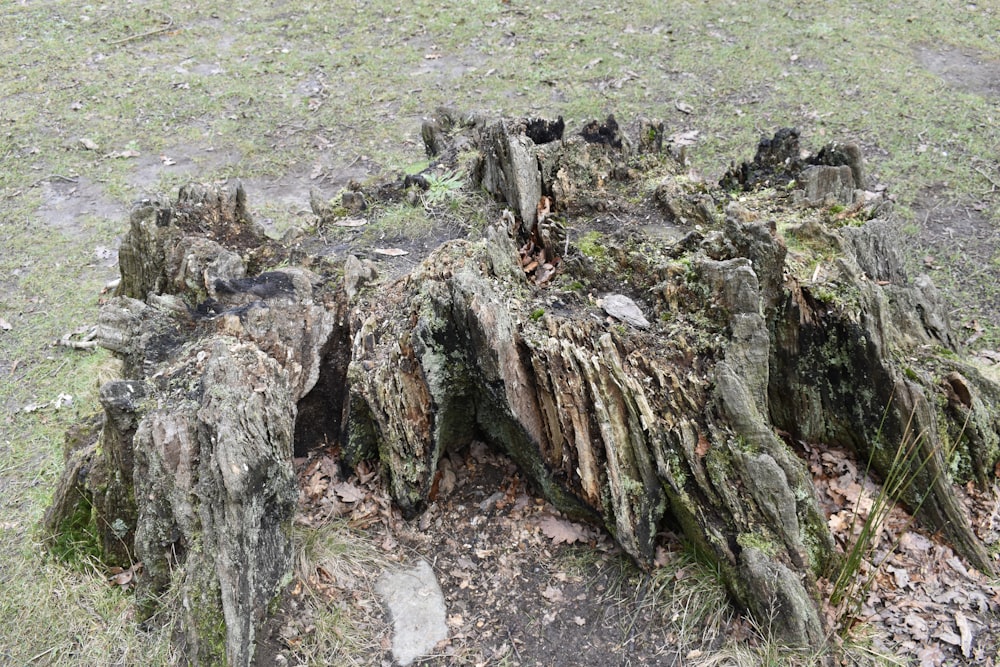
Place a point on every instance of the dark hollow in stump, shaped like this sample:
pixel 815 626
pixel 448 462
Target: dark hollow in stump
pixel 640 382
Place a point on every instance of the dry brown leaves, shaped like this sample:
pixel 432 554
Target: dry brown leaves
pixel 923 598
pixel 125 577
pixel 326 495
pixel 561 531
pixel 538 262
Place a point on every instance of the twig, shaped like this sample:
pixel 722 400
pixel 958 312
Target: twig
pixel 148 33
pixel 58 368
pixel 87 342
pixel 39 656
pixel 987 177
pixel 55 177
pixel 513 645
pixel 77 344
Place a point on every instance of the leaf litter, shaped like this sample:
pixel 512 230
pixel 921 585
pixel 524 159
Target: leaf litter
pixel 923 600
pixel 523 583
pixel 505 559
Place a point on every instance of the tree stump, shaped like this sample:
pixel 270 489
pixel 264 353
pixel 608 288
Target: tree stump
pixel 752 331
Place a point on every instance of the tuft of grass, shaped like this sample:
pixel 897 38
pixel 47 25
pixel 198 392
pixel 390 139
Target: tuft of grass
pixel 851 587
pixel 337 568
pixel 444 188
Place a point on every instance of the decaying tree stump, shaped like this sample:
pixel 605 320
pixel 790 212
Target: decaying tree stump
pixel 751 325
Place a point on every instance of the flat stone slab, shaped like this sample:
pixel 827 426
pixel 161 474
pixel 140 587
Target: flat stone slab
pixel 624 309
pixel 417 608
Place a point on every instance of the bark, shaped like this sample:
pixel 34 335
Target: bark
pixel 230 369
pixel 198 438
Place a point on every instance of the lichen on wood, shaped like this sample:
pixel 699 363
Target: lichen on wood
pixel 760 329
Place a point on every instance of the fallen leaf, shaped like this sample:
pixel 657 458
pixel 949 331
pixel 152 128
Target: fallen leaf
pixel 579 621
pixel 89 144
pixel 316 486
pixel 917 626
pixel 167 162
pixel 703 446
pixel 544 273
pixel 683 107
pixel 965 628
pixel 688 138
pixel 544 208
pixel 352 222
pixel 949 637
pixel 901 576
pixel 930 656
pixel 391 252
pixel 348 492
pixel 553 595
pixel 123 578
pixel 624 309
pixel 914 543
pixel 958 566
pixel 560 530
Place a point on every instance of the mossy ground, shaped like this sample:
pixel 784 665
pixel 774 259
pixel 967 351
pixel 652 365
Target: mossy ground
pixel 102 104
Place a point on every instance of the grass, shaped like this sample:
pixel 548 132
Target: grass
pixel 686 601
pixel 268 93
pixel 337 568
pixel 851 587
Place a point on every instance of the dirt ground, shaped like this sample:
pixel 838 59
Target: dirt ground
pixel 524 586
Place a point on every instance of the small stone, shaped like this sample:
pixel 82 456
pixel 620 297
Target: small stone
pixel 625 309
pixel 418 613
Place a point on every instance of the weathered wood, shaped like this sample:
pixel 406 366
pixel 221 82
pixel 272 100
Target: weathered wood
pixel 196 473
pixel 749 327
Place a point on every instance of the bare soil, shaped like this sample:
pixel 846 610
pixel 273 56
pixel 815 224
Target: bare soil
pixel 518 593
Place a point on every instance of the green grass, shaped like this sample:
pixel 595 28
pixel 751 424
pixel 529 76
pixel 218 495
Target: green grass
pixel 851 586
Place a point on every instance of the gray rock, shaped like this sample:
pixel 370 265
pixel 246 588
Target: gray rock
pixel 418 612
pixel 625 309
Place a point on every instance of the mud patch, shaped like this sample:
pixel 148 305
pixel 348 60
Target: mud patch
pixel 178 163
pixel 960 249
pixel 287 196
pixel 67 202
pixel 964 70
